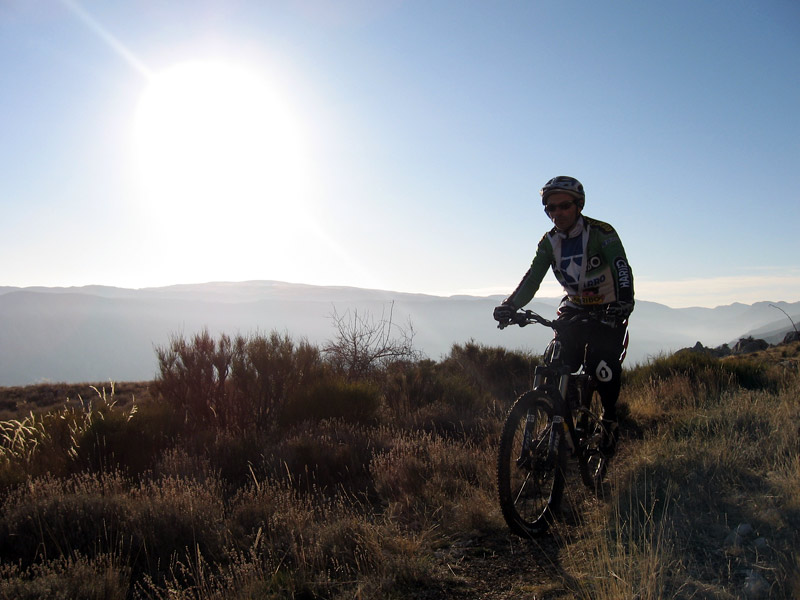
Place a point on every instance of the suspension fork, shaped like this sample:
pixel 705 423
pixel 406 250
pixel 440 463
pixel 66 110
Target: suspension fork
pixel 562 422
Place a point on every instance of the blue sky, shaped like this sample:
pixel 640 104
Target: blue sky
pixel 398 145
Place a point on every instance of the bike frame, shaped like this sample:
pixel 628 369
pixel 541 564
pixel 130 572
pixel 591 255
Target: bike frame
pixel 553 380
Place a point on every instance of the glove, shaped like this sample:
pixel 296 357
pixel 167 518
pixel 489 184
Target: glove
pixel 619 310
pixel 503 313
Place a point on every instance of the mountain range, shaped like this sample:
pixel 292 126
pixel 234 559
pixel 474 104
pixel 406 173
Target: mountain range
pixel 99 333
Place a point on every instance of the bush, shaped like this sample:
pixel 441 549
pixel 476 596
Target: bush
pixel 128 440
pixel 267 371
pixel 305 483
pixel 504 374
pixel 355 401
pixel 104 577
pixel 90 515
pixel 466 378
pixel 427 480
pixel 410 385
pixel 705 371
pixel 58 517
pixel 241 383
pixel 364 346
pixel 192 375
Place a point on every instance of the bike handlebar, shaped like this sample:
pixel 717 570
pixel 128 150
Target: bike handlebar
pixel 526 317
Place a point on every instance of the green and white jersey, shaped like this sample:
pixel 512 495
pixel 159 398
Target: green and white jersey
pixel 590 264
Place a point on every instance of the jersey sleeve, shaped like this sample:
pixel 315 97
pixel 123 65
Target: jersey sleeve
pixel 623 275
pixel 531 281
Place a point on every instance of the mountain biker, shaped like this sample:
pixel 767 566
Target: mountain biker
pixel 588 260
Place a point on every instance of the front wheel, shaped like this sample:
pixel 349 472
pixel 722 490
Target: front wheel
pixel 530 476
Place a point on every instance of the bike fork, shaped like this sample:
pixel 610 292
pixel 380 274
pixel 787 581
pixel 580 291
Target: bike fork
pixel 527 449
pixel 559 429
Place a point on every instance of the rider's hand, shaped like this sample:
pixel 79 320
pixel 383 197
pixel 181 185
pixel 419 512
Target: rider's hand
pixel 503 313
pixel 619 310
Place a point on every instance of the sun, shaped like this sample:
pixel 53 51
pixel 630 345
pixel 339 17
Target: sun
pixel 217 149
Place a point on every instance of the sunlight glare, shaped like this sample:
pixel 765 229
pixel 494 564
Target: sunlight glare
pixel 218 151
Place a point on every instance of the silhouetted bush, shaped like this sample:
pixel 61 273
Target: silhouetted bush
pixel 241 383
pixel 127 440
pixel 355 401
pixel 503 373
pixel 267 371
pixel 364 345
pixel 410 385
pixel 333 454
pixel 192 375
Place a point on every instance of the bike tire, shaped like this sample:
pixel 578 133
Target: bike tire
pixel 592 461
pixel 530 484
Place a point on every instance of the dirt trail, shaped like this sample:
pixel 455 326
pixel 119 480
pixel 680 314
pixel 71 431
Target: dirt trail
pixel 506 567
pixel 501 567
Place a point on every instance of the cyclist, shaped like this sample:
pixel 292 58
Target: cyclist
pixel 588 259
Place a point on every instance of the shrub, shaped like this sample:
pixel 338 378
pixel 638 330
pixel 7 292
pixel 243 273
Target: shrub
pixel 505 374
pixel 103 577
pixel 53 518
pixel 173 518
pixel 752 374
pixel 241 383
pixel 363 345
pixel 146 525
pixel 451 398
pixel 354 401
pixel 409 385
pixel 332 454
pixel 690 364
pixel 424 478
pixel 129 440
pixel 226 453
pixel 192 375
pixel 703 369
pixel 690 379
pixel 267 371
pixel 254 506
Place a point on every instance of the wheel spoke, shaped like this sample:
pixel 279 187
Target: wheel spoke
pixel 529 485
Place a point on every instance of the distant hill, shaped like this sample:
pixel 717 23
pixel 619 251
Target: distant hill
pixel 97 333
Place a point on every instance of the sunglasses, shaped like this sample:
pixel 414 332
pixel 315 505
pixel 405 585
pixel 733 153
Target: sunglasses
pixel 551 208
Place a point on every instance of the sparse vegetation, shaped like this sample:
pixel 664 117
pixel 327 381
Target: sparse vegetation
pixel 261 467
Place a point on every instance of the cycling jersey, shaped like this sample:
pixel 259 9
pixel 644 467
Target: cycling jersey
pixel 589 262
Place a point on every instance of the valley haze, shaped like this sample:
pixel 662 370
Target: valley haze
pixel 99 333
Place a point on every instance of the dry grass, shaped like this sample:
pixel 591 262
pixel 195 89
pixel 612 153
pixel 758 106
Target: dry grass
pixel 110 502
pixel 712 459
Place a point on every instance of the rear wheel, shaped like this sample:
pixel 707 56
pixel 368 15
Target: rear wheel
pixel 530 477
pixel 592 460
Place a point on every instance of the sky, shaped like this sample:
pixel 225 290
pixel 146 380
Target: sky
pixel 398 145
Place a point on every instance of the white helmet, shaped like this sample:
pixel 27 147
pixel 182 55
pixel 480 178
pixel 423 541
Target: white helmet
pixel 566 184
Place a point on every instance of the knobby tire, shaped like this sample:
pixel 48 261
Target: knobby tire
pixel 530 483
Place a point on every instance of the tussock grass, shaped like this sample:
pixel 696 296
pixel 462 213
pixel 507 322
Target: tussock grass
pixel 630 550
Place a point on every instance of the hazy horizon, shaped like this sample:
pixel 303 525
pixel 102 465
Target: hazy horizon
pixel 548 297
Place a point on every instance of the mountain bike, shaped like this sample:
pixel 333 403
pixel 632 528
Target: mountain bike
pixel 557 420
